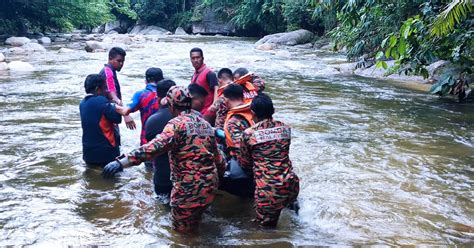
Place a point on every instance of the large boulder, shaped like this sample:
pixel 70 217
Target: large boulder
pixel 2 57
pixel 292 38
pixel 96 46
pixel 33 47
pixel 3 66
pixel 439 69
pixel 20 66
pixel 148 30
pixel 17 41
pixel 16 50
pixel 45 41
pixel 211 24
pixel 99 29
pixel 180 31
pixel 119 26
pixel 373 72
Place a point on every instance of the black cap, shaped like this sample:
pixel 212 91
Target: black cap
pixel 154 74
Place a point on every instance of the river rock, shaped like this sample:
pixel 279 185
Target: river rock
pixel 301 36
pixel 33 47
pixel 121 38
pixel 266 47
pixel 2 57
pixel 65 50
pixel 3 66
pixel 373 72
pixel 148 30
pixel 99 29
pixel 33 41
pixel 17 41
pixel 92 46
pixel 211 24
pixel 180 31
pixel 60 39
pixel 45 41
pixel 16 50
pixel 439 69
pixel 20 66
pixel 119 26
pixel 108 39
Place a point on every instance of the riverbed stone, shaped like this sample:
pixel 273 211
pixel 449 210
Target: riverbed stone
pixel 2 57
pixel 3 66
pixel 20 66
pixel 34 41
pixel 17 41
pixel 292 38
pixel 266 47
pixel 65 50
pixel 16 50
pixel 148 30
pixel 92 46
pixel 33 47
pixel 45 40
pixel 180 31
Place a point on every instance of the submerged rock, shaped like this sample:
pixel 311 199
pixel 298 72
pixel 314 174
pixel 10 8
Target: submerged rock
pixel 96 46
pixel 45 41
pixel 65 50
pixel 16 50
pixel 20 66
pixel 17 41
pixel 266 47
pixel 3 66
pixel 2 57
pixel 293 38
pixel 33 47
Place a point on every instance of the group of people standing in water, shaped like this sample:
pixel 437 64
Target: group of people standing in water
pixel 217 133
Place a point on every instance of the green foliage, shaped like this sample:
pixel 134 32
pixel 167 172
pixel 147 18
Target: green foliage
pixel 454 13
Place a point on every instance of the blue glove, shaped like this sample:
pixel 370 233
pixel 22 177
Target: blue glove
pixel 111 169
pixel 219 132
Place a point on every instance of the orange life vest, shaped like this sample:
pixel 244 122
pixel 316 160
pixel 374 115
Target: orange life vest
pixel 242 110
pixel 250 91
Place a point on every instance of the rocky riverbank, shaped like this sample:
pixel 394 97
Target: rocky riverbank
pixel 279 44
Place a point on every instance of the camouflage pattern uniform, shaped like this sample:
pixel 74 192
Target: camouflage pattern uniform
pixel 236 126
pixel 220 106
pixel 194 161
pixel 265 148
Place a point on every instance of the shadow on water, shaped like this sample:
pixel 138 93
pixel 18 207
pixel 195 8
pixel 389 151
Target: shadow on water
pixel 379 164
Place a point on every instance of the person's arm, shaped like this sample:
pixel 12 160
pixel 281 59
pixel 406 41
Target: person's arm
pixel 258 82
pixel 124 111
pixel 159 145
pixel 219 160
pixel 110 112
pixel 245 159
pixel 213 83
pixel 110 83
pixel 135 101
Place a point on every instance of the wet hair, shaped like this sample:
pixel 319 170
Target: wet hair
pixel 195 89
pixel 234 92
pixel 196 50
pixel 115 51
pixel 241 71
pixel 154 74
pixel 163 86
pixel 93 82
pixel 262 106
pixel 224 71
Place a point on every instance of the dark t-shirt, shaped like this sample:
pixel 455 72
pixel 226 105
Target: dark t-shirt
pixel 154 126
pixel 100 135
pixel 212 80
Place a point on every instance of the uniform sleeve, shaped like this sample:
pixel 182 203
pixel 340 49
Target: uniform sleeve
pixel 109 79
pixel 219 161
pixel 245 159
pixel 111 114
pixel 236 127
pixel 159 145
pixel 134 104
pixel 212 80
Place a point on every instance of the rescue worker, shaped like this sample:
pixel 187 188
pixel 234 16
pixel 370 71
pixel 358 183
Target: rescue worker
pixel 252 85
pixel 145 100
pixel 194 159
pixel 153 127
pixel 206 78
pixel 100 136
pixel 265 148
pixel 198 96
pixel 219 106
pixel 239 117
pixel 109 72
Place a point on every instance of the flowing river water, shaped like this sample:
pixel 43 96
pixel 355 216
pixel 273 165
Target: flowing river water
pixel 379 164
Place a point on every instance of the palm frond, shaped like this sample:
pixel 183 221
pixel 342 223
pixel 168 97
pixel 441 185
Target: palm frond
pixel 454 13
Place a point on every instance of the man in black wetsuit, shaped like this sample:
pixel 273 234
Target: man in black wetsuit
pixel 154 126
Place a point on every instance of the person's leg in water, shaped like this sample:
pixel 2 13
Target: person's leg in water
pixel 186 220
pixel 162 182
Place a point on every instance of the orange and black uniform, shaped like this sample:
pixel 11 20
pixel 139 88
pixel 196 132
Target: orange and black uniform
pixel 265 148
pixel 100 136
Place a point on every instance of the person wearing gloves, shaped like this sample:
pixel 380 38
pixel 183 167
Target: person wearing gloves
pixel 195 161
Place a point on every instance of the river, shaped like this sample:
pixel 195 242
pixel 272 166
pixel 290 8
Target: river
pixel 379 164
